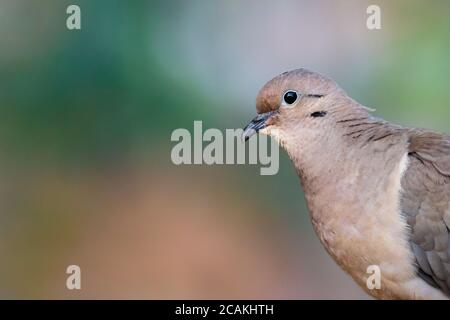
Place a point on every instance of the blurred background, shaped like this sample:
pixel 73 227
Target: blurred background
pixel 86 116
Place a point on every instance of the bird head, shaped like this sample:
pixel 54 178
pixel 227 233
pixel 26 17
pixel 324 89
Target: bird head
pixel 295 105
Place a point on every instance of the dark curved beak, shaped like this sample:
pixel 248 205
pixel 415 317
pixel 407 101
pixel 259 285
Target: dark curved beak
pixel 258 123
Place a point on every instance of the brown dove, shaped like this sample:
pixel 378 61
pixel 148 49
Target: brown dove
pixel 378 193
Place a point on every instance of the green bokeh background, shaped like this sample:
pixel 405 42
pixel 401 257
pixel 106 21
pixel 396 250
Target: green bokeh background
pixel 85 124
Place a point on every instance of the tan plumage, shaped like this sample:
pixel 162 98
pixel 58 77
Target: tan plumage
pixel 378 194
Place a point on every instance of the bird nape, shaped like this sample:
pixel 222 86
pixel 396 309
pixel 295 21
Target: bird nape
pixel 378 193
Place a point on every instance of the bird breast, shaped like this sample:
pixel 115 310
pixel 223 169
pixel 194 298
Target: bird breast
pixel 358 221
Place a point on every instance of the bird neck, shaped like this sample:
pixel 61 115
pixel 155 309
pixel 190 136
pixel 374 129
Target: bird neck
pixel 347 156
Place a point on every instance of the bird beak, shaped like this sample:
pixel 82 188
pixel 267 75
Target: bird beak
pixel 258 123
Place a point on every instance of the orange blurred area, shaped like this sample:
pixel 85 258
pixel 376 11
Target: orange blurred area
pixel 184 237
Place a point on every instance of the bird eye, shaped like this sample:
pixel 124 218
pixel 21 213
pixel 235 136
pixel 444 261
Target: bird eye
pixel 290 97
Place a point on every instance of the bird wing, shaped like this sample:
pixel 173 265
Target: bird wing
pixel 425 203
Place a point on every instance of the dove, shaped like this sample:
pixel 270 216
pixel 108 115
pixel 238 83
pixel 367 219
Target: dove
pixel 378 194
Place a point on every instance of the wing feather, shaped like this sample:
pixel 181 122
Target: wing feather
pixel 425 202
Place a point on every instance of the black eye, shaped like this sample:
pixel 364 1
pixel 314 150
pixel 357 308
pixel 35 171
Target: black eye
pixel 290 97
